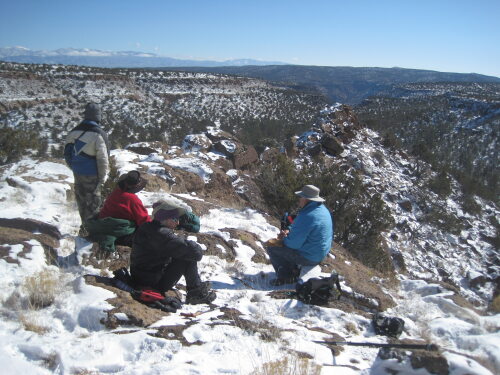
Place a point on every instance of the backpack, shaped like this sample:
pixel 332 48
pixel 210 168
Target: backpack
pixel 189 222
pixel 319 290
pixel 287 221
pixel 387 326
pixel 155 299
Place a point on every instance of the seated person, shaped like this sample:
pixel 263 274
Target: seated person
pixel 160 258
pixel 307 242
pixel 188 221
pixel 121 214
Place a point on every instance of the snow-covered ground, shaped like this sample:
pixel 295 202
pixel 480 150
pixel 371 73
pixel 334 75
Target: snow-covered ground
pixel 68 337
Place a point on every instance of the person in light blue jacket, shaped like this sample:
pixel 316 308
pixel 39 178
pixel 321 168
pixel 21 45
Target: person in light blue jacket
pixel 307 242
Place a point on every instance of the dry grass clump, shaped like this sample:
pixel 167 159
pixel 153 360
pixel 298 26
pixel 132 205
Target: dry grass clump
pixel 29 323
pixel 288 366
pixel 41 288
pixel 495 305
pixel 266 330
pixel 51 361
pixel 235 268
pixel 351 328
pixel 82 371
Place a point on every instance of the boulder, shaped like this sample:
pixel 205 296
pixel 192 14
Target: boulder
pixel 146 148
pixel 216 135
pixel 245 156
pixel 33 226
pixel 314 150
pixel 395 360
pixel 269 155
pixel 406 205
pixel 332 145
pixel 226 147
pixel 196 142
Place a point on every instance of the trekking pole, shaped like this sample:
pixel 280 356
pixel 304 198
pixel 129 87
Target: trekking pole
pixel 429 347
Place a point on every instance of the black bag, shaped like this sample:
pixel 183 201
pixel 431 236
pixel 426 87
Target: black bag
pixel 388 326
pixel 319 290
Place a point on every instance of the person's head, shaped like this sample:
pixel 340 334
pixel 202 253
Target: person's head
pixel 165 214
pixel 307 194
pixel 92 112
pixel 132 182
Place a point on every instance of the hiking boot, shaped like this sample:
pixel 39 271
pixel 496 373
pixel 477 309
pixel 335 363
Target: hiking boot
pixel 83 232
pixel 201 294
pixel 278 281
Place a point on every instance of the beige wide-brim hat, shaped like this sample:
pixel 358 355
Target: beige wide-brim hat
pixel 311 193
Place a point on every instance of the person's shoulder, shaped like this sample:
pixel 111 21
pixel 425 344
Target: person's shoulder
pixel 150 226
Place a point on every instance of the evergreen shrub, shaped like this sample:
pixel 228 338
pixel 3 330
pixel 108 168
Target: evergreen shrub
pixel 17 143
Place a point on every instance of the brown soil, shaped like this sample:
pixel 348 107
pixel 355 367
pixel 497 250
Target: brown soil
pixel 137 313
pixel 20 231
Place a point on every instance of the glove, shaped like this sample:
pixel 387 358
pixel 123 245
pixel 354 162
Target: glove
pixel 168 304
pixel 98 189
pixel 172 301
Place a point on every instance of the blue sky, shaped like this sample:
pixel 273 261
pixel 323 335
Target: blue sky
pixel 444 35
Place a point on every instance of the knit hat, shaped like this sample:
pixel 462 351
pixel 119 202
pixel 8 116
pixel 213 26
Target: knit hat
pixel 311 193
pixel 92 112
pixel 163 211
pixel 132 182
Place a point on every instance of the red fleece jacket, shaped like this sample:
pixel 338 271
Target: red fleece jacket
pixel 123 205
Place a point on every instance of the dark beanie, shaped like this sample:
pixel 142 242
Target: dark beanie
pixel 92 112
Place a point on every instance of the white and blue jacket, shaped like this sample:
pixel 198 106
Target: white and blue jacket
pixel 311 232
pixel 86 150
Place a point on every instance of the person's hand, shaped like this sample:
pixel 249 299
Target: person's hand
pixel 283 234
pixel 98 189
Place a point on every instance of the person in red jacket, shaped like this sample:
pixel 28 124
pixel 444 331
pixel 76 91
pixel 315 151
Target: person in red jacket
pixel 123 203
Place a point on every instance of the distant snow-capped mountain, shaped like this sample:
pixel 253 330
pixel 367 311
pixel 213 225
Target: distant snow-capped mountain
pixel 92 57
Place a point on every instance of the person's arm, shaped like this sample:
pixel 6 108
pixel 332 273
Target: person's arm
pixel 101 159
pixel 179 248
pixel 139 213
pixel 299 231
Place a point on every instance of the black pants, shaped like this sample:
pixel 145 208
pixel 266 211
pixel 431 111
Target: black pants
pixel 125 240
pixel 170 276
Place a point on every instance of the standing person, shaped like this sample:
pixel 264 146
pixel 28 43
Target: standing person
pixel 87 154
pixel 160 258
pixel 307 242
pixel 122 213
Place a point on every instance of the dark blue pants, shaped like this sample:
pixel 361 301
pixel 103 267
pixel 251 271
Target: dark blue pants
pixel 286 262
pixel 168 277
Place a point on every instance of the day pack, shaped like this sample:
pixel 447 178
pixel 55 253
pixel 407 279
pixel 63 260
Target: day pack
pixel 189 222
pixel 148 295
pixel 152 298
pixel 388 326
pixel 319 290
pixel 287 220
